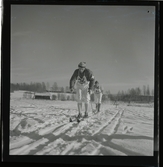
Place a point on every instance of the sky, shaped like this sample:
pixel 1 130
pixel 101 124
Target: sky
pixel 116 42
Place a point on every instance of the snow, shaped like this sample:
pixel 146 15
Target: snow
pixel 42 127
pixel 19 141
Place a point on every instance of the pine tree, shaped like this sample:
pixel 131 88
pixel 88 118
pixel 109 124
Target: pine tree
pixel 55 86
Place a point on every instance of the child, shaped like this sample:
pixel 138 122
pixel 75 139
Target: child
pixel 98 92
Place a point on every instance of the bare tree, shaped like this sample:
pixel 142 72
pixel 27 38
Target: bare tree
pixel 47 86
pixel 152 92
pixel 55 86
pixel 148 91
pixel 62 89
pixel 138 91
pixel 67 89
pixel 43 87
pixel 108 92
pixel 144 90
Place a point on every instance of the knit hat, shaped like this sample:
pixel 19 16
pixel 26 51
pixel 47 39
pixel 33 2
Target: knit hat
pixel 82 64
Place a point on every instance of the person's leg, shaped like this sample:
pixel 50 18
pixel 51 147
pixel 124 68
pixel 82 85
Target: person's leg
pixel 96 101
pixel 86 109
pixel 99 102
pixel 99 105
pixel 86 97
pixel 79 104
pixel 79 100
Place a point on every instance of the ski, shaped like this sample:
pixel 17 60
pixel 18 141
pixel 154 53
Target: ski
pixel 77 119
pixel 73 119
pixel 85 118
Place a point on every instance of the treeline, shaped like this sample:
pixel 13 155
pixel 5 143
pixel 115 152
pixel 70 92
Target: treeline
pixel 144 91
pixel 38 87
pixel 133 94
pixel 143 94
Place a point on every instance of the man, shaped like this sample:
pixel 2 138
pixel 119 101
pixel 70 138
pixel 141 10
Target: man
pixel 84 80
pixel 98 92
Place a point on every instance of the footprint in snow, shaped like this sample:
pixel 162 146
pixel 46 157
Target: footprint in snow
pixel 129 130
pixel 125 127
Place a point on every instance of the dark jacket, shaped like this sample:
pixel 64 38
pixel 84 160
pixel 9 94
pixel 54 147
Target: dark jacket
pixel 88 74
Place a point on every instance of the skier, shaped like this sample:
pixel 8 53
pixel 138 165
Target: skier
pixel 98 92
pixel 84 80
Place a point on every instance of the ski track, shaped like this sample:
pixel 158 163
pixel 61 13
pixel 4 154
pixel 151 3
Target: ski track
pixel 51 133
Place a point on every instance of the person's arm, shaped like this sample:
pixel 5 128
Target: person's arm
pixel 73 79
pixel 93 89
pixel 102 90
pixel 91 79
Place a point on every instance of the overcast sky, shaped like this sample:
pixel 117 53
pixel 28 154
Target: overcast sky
pixel 116 42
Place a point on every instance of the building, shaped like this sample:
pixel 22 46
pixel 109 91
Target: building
pixel 45 95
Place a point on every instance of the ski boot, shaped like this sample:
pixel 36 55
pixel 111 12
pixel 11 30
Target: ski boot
pixel 98 108
pixel 85 115
pixel 79 116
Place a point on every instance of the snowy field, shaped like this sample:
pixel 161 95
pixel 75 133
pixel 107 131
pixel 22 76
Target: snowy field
pixel 42 127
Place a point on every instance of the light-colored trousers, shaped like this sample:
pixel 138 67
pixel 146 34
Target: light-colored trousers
pixel 98 97
pixel 82 92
